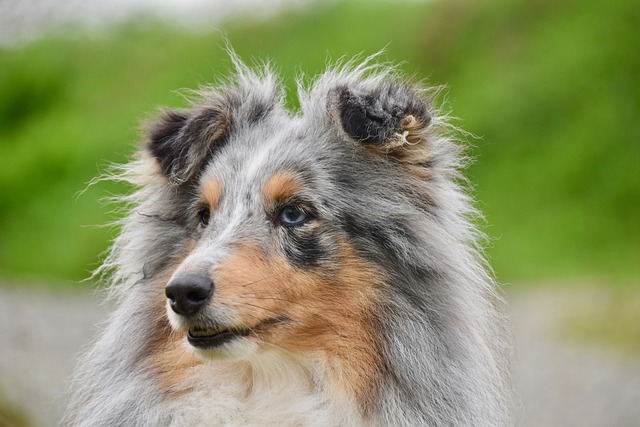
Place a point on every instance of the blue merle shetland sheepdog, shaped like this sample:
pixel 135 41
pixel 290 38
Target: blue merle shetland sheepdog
pixel 311 268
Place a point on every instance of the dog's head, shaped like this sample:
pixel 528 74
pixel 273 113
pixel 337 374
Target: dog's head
pixel 295 222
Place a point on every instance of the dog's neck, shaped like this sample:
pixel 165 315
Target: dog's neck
pixel 272 388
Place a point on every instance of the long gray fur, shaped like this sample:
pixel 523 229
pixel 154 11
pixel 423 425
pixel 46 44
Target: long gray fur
pixel 398 201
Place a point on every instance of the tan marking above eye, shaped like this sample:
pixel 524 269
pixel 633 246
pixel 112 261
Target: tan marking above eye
pixel 212 193
pixel 280 186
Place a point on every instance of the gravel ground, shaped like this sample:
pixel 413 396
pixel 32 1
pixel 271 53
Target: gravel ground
pixel 564 382
pixel 41 333
pixel 561 382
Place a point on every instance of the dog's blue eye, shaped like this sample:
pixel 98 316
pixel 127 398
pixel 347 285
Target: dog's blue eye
pixel 293 215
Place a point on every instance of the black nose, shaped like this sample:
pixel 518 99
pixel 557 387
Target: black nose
pixel 187 293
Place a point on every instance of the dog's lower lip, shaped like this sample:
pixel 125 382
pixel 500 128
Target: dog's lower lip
pixel 210 338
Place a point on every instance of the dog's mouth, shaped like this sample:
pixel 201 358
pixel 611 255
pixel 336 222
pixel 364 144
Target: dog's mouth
pixel 213 337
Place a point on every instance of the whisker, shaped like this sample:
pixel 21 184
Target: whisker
pixel 262 319
pixel 268 343
pixel 262 308
pixel 254 282
pixel 254 296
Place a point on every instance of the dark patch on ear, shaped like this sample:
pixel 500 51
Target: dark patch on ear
pixel 377 115
pixel 163 139
pixel 390 118
pixel 182 141
pixel 362 121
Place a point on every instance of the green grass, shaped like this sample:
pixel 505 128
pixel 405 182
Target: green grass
pixel 612 320
pixel 554 98
pixel 550 87
pixel 12 416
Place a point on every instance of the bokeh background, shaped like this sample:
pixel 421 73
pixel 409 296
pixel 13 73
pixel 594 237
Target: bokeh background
pixel 548 90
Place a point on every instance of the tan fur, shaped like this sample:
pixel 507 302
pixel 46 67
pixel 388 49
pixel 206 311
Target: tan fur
pixel 328 317
pixel 212 193
pixel 219 129
pixel 173 363
pixel 280 187
pixel 410 146
pixel 169 358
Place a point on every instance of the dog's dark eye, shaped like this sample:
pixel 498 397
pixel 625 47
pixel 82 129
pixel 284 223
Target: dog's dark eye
pixel 204 214
pixel 293 215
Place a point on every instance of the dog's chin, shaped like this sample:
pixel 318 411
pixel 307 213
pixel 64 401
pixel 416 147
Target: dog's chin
pixel 214 343
pixel 221 342
pixel 236 349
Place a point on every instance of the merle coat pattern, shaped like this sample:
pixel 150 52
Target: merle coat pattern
pixel 375 309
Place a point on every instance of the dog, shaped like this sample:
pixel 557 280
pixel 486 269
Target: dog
pixel 308 268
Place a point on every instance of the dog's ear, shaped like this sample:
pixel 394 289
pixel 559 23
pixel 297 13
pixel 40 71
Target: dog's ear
pixel 389 118
pixel 181 141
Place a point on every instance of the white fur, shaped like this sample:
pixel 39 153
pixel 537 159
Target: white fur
pixel 271 389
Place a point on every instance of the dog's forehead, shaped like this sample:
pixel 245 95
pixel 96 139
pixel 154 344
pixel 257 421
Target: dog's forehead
pixel 253 155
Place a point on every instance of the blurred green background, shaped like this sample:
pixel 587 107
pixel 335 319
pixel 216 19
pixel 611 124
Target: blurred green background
pixel 549 87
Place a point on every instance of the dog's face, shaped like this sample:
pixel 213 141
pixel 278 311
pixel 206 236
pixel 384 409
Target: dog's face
pixel 269 264
pixel 291 219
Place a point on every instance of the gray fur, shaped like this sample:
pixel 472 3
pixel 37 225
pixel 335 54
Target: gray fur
pixel 391 187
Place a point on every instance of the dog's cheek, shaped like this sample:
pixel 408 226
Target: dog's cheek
pixel 305 250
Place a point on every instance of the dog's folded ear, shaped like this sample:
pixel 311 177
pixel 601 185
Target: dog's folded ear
pixel 181 141
pixel 388 118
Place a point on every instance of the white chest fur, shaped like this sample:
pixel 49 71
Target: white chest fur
pixel 273 389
